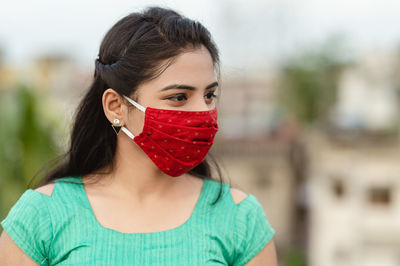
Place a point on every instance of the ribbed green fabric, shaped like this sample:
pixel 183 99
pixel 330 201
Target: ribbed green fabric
pixel 62 230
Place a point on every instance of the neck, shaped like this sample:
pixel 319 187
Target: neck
pixel 135 176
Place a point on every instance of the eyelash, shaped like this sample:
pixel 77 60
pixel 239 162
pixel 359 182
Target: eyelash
pixel 210 94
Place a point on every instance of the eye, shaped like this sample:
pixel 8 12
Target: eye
pixel 211 95
pixel 178 97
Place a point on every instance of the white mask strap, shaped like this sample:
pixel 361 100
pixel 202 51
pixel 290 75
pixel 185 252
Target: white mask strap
pixel 138 106
pixel 127 132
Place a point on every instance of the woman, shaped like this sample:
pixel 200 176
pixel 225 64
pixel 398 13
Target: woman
pixel 135 187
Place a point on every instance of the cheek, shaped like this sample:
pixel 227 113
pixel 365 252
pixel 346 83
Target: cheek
pixel 136 122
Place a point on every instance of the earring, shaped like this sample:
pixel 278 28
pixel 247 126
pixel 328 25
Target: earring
pixel 116 126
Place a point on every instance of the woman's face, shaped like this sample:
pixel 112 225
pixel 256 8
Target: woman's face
pixel 193 72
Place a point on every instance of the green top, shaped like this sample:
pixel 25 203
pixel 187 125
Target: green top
pixel 63 230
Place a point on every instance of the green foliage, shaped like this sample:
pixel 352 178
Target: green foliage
pixel 294 258
pixel 26 141
pixel 308 85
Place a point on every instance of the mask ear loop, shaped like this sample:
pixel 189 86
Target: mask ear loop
pixel 138 106
pixel 127 132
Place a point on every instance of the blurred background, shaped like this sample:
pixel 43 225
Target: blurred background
pixel 309 110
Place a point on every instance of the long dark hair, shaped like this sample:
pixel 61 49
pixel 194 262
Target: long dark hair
pixel 130 54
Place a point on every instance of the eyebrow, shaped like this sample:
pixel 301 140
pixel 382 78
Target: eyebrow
pixel 187 87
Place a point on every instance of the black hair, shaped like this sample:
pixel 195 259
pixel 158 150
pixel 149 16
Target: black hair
pixel 131 53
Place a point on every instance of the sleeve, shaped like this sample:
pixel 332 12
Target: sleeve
pixel 252 231
pixel 28 223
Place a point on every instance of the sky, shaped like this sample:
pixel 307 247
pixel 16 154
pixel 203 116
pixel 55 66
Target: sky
pixel 249 34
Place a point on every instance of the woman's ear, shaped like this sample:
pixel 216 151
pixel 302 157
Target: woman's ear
pixel 113 106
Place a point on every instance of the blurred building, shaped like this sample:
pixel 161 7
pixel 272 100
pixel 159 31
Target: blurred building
pixel 368 93
pixel 56 76
pixel 355 205
pixel 354 177
pixel 61 77
pixel 248 105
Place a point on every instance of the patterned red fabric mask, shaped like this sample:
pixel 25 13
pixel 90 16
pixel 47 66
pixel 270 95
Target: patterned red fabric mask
pixel 176 141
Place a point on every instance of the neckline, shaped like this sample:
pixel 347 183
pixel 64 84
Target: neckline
pixel 176 229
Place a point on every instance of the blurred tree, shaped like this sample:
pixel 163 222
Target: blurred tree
pixel 26 141
pixel 307 92
pixel 294 257
pixel 308 84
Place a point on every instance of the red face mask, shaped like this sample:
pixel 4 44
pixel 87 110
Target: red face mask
pixel 176 141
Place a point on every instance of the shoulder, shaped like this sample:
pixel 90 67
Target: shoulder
pixel 65 186
pixel 237 195
pixel 33 203
pixel 232 194
pixel 46 189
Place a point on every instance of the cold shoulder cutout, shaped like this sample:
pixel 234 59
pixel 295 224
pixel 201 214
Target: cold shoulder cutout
pixel 46 189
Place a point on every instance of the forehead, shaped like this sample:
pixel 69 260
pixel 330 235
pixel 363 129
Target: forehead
pixel 194 68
